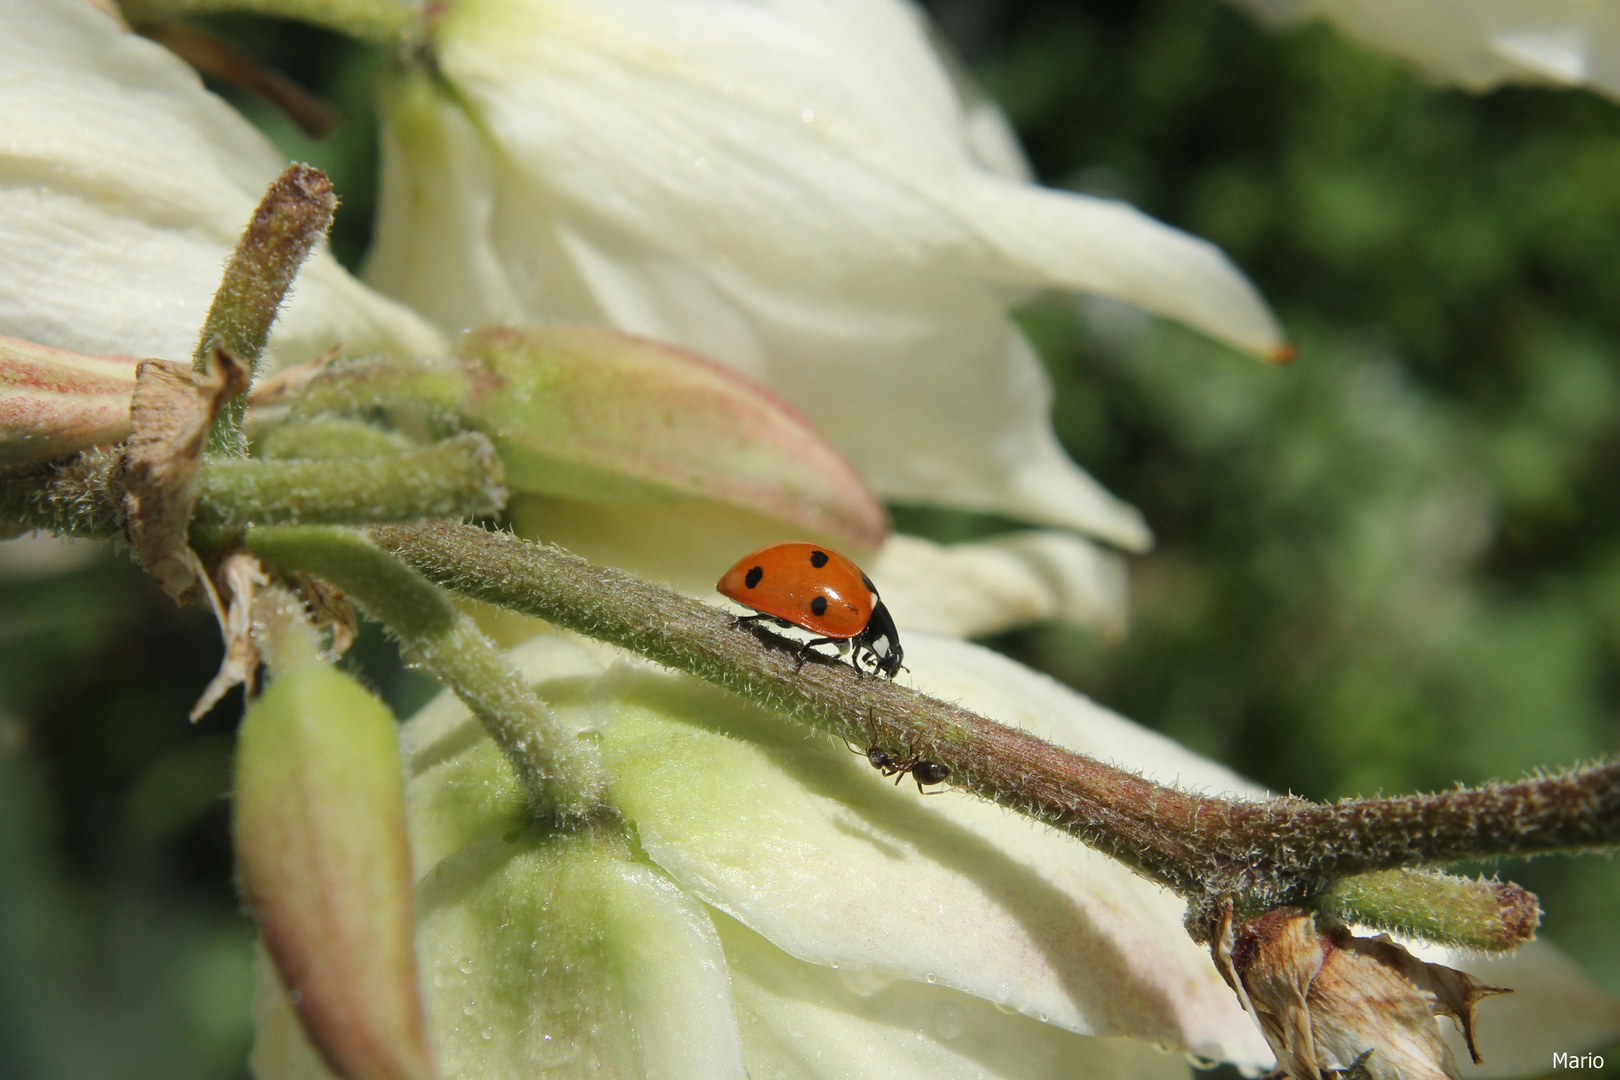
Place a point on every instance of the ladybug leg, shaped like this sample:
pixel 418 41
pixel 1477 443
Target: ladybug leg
pixel 746 620
pixel 819 641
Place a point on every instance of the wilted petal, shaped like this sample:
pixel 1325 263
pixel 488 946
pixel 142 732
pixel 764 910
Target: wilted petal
pixel 1480 43
pixel 1554 1007
pixel 319 824
pixel 797 191
pixel 54 402
pixel 804 1021
pixel 123 188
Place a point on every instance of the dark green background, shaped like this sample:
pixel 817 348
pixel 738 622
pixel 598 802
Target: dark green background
pixel 1393 565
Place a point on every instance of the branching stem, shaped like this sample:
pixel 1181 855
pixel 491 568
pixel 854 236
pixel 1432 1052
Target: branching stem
pixel 1262 853
pixel 560 773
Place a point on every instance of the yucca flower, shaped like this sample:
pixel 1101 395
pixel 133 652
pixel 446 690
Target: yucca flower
pixel 799 190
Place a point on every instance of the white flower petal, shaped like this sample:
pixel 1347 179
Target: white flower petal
pixel 538 949
pixel 123 188
pixel 798 190
pixel 804 843
pixel 1479 44
pixel 550 954
pixel 801 1021
pixel 973 589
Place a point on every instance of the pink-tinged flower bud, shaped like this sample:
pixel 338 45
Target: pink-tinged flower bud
pixel 55 402
pixel 320 836
pixel 1327 1000
pixel 597 414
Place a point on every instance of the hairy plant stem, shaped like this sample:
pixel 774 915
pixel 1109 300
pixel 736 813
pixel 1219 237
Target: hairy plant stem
pixel 290 220
pixel 456 478
pixel 1471 913
pixel 560 773
pixel 1259 853
pixel 385 23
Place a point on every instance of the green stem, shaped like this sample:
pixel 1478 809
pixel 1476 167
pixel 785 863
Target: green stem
pixel 1265 853
pixel 560 773
pixel 456 478
pixel 290 220
pixel 385 23
pixel 1468 913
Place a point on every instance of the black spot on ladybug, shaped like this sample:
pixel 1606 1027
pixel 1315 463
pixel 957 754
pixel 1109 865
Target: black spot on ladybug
pixel 818 559
pixel 818 606
pixel 753 576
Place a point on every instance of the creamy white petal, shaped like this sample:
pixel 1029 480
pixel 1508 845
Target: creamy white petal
pixel 123 188
pixel 804 1022
pixel 799 190
pixel 543 954
pixel 804 843
pixel 973 589
pixel 1479 44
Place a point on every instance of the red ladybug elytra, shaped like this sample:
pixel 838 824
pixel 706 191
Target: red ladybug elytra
pixel 821 591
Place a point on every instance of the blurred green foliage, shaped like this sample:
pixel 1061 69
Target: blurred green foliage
pixel 1393 565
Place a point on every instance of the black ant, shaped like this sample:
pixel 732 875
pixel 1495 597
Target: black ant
pixel 924 772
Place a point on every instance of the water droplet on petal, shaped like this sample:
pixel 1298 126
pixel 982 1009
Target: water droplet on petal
pixel 950 1019
pixel 864 983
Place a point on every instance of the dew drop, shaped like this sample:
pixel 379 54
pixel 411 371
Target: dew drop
pixel 931 977
pixel 808 115
pixel 466 965
pixel 487 1034
pixel 1005 1009
pixel 863 983
pixel 950 1019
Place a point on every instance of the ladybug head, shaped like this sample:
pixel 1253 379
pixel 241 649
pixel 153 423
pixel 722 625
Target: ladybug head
pixel 882 640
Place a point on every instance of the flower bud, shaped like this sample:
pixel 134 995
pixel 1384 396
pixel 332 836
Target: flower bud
pixel 55 402
pixel 320 836
pixel 596 414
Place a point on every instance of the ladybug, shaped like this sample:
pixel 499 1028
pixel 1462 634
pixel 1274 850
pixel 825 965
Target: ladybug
pixel 820 591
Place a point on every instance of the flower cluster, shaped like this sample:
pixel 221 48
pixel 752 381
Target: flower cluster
pixel 616 868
